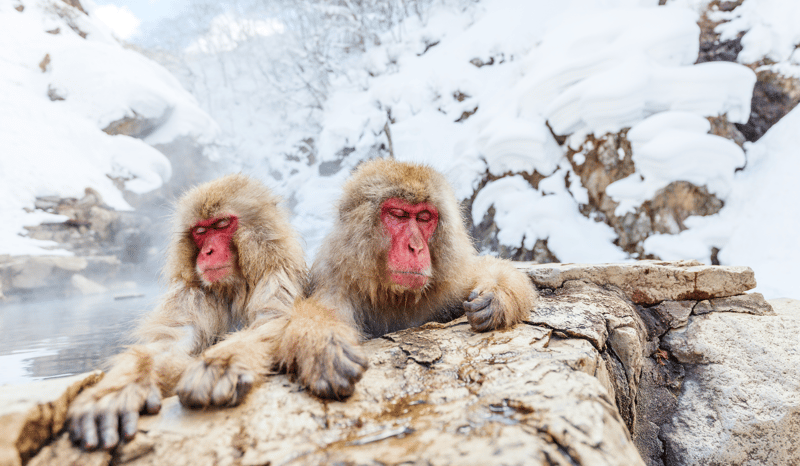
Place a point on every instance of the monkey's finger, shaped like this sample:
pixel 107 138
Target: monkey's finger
pixel 152 404
pixel 128 422
pixel 88 432
pixel 354 365
pixel 336 387
pixel 476 303
pixel 108 422
pixel 224 392
pixel 330 383
pixel 75 429
pixel 355 354
pixel 197 384
pixel 481 321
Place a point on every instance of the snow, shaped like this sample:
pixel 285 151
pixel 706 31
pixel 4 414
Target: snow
pixel 569 68
pixel 121 20
pixel 57 147
pixel 672 146
pixel 572 238
pixel 757 227
pixel 770 28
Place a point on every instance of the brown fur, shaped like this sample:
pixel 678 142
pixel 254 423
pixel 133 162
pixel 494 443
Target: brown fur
pixel 349 292
pixel 185 345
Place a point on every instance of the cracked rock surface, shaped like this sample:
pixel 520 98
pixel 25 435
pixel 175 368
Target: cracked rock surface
pixel 439 394
pixel 615 366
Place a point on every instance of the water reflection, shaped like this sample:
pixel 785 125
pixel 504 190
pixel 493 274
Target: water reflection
pixel 53 338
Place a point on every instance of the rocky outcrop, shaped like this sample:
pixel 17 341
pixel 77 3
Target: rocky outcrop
pixel 92 228
pixel 601 161
pixel 650 282
pixel 657 363
pixel 106 244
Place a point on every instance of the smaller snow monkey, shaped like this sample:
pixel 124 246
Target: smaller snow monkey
pixel 398 256
pixel 234 262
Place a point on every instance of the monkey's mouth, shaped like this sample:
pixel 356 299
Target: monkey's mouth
pixel 409 278
pixel 215 274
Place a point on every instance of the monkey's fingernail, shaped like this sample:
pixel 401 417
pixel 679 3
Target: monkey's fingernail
pixel 473 295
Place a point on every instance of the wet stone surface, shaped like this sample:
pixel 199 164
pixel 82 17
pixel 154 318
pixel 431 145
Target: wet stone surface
pixel 443 395
pixel 594 363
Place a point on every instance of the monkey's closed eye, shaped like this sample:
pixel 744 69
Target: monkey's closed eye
pixel 424 216
pixel 199 230
pixel 399 213
pixel 224 223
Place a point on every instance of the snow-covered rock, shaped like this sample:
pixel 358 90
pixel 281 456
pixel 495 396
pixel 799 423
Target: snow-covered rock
pixel 65 80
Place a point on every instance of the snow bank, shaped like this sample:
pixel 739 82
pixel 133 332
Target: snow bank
pixel 676 146
pixel 573 238
pixel 59 91
pixel 758 225
pixel 468 88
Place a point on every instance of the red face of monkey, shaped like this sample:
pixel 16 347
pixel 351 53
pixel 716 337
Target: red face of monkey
pixel 410 226
pixel 216 259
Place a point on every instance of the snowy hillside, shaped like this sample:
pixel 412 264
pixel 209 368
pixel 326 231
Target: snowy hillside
pixel 65 79
pixel 564 126
pixel 471 88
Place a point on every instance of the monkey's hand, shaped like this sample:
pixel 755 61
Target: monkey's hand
pixel 215 381
pixel 101 416
pixel 484 311
pixel 323 351
pixel 332 365
pixel 502 297
pixel 488 310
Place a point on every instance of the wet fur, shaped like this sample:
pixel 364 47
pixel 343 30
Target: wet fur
pixel 349 296
pixel 185 345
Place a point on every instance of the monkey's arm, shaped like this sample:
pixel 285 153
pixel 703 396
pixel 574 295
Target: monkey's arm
pixel 321 344
pixel 226 372
pixel 501 296
pixel 139 377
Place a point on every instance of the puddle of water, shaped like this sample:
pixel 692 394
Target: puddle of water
pixel 60 337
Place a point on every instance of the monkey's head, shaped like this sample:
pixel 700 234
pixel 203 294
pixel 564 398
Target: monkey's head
pixel 404 222
pixel 223 232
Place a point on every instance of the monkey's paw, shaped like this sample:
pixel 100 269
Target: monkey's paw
pixel 214 382
pixel 101 417
pixel 335 368
pixel 485 311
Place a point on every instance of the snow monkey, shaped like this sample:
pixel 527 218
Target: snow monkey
pixel 234 264
pixel 398 256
